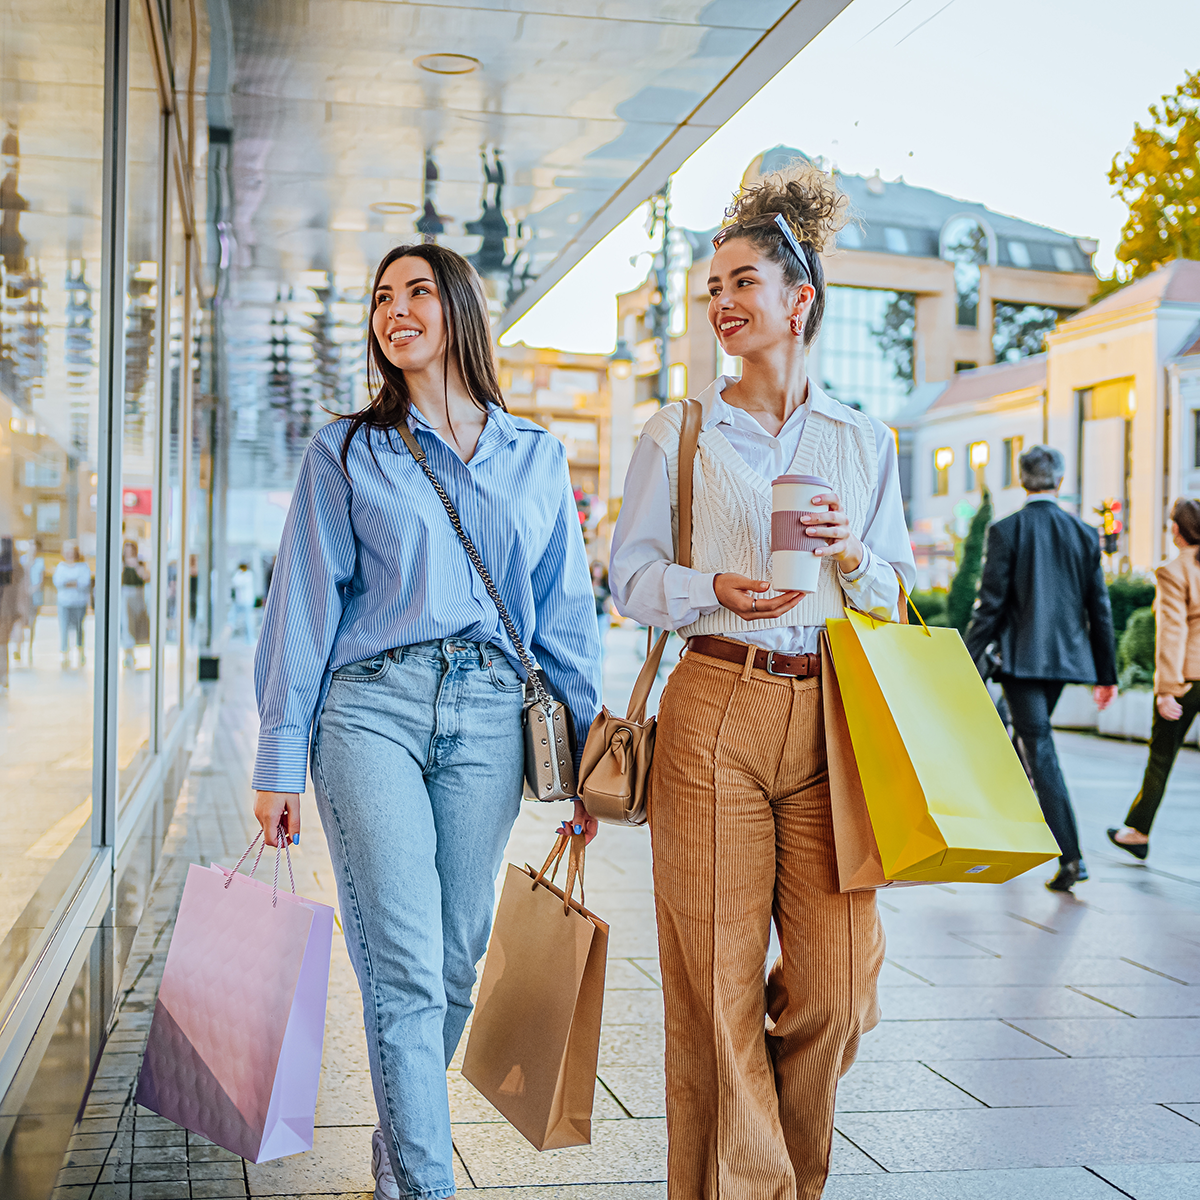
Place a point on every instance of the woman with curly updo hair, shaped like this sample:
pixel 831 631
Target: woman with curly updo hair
pixel 740 818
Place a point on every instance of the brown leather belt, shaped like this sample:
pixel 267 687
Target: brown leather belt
pixel 799 666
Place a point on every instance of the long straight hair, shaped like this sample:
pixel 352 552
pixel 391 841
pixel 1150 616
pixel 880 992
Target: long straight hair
pixel 468 339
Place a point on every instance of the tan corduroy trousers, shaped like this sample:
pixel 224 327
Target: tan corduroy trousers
pixel 742 833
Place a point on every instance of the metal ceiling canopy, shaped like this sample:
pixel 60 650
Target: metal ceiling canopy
pixel 518 132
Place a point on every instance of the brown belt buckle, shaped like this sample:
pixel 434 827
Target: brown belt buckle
pixel 770 671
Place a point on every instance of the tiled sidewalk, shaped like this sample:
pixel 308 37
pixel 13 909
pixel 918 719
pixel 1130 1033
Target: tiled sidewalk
pixel 1033 1046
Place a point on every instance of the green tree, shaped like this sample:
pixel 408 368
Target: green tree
pixel 1126 593
pixel 961 599
pixel 1135 650
pixel 896 336
pixel 1158 177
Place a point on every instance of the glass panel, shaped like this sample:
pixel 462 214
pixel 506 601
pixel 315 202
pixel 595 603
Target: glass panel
pixel 865 357
pixel 173 468
pixel 199 596
pixel 139 450
pixel 51 109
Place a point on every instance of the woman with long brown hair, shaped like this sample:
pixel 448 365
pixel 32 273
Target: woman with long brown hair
pixel 380 638
pixel 1176 674
pixel 740 812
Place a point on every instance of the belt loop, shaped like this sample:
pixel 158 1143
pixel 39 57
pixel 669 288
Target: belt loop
pixel 751 651
pixel 484 659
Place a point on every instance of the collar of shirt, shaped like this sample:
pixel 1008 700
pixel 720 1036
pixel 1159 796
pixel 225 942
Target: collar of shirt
pixel 1042 499
pixel 716 410
pixel 498 431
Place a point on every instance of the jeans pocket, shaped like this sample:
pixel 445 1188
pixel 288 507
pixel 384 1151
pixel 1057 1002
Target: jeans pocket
pixel 503 674
pixel 365 670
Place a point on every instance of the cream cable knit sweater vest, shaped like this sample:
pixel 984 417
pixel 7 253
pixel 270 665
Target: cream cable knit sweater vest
pixel 731 508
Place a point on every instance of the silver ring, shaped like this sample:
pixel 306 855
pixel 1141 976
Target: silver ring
pixel 754 604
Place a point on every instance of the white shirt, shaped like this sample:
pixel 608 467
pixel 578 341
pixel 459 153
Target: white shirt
pixel 243 588
pixel 649 586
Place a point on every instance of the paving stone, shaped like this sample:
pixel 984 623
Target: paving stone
pixel 985 1138
pixel 1145 1001
pixel 1119 1036
pixel 1049 1183
pixel 1072 1081
pixel 1173 1181
pixel 621 1152
pixel 642 1090
pixel 897 1087
pixel 963 1003
pixel 895 1040
pixel 339 1162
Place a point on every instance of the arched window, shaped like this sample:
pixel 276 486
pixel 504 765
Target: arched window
pixel 968 244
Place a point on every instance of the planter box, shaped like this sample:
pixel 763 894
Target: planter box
pixel 1075 708
pixel 1128 716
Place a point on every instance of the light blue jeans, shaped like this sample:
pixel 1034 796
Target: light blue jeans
pixel 417 768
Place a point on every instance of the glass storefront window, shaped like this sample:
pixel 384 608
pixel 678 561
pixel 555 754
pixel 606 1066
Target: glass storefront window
pixel 865 355
pixel 139 447
pixel 173 420
pixel 51 165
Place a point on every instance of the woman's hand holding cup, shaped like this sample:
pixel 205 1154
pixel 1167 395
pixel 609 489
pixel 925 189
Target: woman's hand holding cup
pixel 742 597
pixel 844 546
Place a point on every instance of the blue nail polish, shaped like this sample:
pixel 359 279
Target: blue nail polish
pixel 578 828
pixel 295 839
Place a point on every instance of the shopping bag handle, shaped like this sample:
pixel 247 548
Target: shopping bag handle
pixel 282 844
pixel 575 843
pixel 908 601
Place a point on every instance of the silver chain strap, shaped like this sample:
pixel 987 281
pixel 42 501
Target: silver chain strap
pixel 414 448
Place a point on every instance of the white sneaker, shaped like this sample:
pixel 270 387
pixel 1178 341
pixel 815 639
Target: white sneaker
pixel 381 1167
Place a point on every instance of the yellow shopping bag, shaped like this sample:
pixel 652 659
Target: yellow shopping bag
pixel 947 796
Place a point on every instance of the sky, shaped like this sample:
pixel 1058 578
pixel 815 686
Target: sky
pixel 1019 105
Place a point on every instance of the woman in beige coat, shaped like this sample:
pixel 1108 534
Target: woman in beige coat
pixel 1176 672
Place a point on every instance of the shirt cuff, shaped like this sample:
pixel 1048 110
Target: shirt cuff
pixel 702 594
pixel 860 570
pixel 282 763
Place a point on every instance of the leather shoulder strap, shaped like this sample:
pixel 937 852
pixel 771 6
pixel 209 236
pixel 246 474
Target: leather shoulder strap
pixel 689 439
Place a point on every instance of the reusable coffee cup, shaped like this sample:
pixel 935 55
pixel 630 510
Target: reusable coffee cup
pixel 794 566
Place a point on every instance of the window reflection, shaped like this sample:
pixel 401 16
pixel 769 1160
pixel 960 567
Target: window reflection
pixel 50 243
pixel 136 603
pixel 965 244
pixel 866 347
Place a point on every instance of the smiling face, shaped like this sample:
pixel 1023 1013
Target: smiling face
pixel 750 304
pixel 408 320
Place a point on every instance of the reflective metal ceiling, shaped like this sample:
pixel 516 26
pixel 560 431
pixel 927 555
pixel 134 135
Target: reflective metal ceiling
pixel 341 145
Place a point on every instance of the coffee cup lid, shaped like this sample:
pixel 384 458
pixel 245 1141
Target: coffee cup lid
pixel 811 480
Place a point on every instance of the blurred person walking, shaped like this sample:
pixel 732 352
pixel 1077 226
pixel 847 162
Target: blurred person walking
pixel 134 616
pixel 1043 604
pixel 1176 674
pixel 241 612
pixel 740 822
pixel 380 638
pixel 72 581
pixel 603 595
pixel 35 596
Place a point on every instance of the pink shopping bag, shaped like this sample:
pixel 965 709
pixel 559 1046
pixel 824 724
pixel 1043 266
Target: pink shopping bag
pixel 234 1052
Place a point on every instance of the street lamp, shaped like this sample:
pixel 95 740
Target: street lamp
pixel 621 360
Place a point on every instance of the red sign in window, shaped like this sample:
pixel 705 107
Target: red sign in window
pixel 137 501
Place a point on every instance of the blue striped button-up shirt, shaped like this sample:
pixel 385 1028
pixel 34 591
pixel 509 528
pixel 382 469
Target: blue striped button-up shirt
pixel 369 561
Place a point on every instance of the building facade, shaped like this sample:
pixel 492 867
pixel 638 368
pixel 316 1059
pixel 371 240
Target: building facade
pixel 1117 391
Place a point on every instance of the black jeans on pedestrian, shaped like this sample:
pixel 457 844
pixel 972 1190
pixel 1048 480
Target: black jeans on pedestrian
pixel 1166 737
pixel 1030 702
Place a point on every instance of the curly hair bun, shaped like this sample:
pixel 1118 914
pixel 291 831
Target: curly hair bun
pixel 809 199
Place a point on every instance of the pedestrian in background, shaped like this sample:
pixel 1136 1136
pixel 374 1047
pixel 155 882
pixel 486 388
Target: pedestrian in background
pixel 72 581
pixel 134 616
pixel 241 613
pixel 1043 603
pixel 602 594
pixel 379 637
pixel 1176 672
pixel 741 824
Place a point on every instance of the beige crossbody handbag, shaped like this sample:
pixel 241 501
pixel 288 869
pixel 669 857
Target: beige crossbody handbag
pixel 614 777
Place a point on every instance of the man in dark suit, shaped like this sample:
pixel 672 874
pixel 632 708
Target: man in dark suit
pixel 1044 604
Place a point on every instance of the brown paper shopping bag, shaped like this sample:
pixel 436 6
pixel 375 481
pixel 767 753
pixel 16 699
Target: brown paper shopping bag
pixel 860 868
pixel 535 1035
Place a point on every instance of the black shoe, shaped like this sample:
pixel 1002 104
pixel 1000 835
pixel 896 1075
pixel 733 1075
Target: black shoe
pixel 1069 874
pixel 1138 852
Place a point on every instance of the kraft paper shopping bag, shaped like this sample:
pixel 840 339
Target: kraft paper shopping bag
pixel 535 1036
pixel 859 866
pixel 947 796
pixel 234 1051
